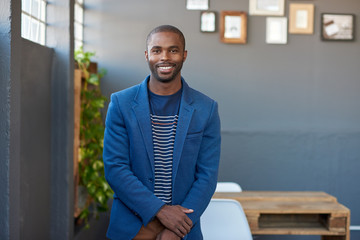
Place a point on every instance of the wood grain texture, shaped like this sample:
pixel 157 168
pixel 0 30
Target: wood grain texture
pixel 293 213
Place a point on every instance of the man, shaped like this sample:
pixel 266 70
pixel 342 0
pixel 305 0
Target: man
pixel 161 149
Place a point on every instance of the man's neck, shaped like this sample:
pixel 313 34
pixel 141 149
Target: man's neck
pixel 161 88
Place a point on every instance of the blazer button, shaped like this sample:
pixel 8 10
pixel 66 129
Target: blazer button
pixel 150 180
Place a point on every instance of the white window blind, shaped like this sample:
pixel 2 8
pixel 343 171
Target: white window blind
pixel 33 20
pixel 79 23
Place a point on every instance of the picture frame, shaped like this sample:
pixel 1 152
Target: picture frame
pixel 233 27
pixel 197 4
pixel 208 21
pixel 267 7
pixel 337 27
pixel 301 18
pixel 276 30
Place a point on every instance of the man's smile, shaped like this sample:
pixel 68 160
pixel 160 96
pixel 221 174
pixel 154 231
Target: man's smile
pixel 164 69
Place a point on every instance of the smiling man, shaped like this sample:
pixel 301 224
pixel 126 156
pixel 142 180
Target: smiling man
pixel 161 149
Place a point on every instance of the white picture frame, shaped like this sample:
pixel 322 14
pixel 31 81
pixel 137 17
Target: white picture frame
pixel 267 7
pixel 197 4
pixel 276 30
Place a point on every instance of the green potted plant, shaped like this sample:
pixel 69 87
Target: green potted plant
pixel 91 179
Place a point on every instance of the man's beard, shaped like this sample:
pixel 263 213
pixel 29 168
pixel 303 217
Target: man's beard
pixel 167 78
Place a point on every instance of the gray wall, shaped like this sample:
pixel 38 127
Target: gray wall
pixel 60 37
pixel 35 140
pixel 290 115
pixel 10 56
pixel 36 125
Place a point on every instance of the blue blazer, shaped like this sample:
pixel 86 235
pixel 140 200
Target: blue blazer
pixel 129 159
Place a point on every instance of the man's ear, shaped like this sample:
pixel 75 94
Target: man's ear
pixel 185 55
pixel 146 56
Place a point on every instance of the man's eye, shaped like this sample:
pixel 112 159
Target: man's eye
pixel 156 51
pixel 174 51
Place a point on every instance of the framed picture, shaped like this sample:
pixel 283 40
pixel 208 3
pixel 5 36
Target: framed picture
pixel 301 18
pixel 267 7
pixel 197 4
pixel 233 27
pixel 276 30
pixel 208 21
pixel 337 27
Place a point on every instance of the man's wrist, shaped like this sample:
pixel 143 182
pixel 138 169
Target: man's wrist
pixel 159 210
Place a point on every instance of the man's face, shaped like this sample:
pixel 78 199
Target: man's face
pixel 165 55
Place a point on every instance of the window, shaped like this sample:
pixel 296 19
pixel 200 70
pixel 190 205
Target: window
pixel 79 24
pixel 33 25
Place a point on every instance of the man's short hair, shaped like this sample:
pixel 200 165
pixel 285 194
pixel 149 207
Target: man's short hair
pixel 166 28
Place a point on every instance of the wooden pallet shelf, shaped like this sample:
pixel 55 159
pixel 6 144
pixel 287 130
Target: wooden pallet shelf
pixel 294 213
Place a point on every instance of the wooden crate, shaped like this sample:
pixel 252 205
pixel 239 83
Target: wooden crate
pixel 77 110
pixel 294 213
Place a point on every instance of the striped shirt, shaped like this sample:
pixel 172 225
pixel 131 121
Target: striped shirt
pixel 163 131
pixel 164 119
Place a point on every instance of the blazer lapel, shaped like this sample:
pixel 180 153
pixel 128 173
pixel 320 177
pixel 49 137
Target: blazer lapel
pixel 185 115
pixel 142 112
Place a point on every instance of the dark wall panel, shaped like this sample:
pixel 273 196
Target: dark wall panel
pixel 35 140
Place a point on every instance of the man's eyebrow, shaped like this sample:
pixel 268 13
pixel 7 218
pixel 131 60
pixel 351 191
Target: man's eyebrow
pixel 170 47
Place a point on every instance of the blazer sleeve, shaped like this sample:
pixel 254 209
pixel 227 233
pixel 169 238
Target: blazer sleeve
pixel 207 166
pixel 116 156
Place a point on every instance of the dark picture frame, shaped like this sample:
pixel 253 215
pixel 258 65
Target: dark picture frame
pixel 208 21
pixel 337 27
pixel 233 27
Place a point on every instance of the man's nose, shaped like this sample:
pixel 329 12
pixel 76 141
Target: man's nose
pixel 164 55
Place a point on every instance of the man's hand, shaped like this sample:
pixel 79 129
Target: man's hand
pixel 175 219
pixel 166 234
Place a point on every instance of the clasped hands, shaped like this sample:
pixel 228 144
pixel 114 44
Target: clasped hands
pixel 177 223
